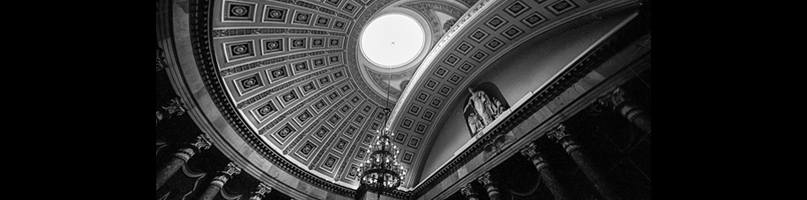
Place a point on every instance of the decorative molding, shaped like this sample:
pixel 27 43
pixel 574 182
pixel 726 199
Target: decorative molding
pixel 232 32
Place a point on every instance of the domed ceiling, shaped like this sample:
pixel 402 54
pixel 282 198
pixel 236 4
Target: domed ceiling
pixel 293 70
pixel 300 91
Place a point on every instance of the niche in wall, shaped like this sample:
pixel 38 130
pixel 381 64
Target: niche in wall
pixel 483 103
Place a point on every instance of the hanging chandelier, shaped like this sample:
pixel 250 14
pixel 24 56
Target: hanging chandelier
pixel 380 171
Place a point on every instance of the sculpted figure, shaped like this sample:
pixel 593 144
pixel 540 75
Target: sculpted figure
pixel 474 123
pixel 481 103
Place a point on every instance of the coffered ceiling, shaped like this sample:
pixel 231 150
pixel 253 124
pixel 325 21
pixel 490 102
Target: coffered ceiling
pixel 292 71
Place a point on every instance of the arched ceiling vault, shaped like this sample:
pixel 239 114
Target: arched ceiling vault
pixel 483 34
pixel 292 70
pixel 285 77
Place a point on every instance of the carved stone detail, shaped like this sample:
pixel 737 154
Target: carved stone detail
pixel 485 179
pixel 186 153
pixel 620 101
pixel 557 133
pixel 449 23
pixel 201 143
pixel 529 151
pixel 487 182
pixel 175 107
pixel 261 190
pixel 468 191
pixel 485 109
pixel 613 99
pixel 231 169
pixel 560 135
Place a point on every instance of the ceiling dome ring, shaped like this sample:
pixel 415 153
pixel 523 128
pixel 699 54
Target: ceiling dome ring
pixel 413 55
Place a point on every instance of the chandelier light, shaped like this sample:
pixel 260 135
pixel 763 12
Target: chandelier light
pixel 380 171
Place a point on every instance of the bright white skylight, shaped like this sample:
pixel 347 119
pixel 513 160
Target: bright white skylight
pixel 392 40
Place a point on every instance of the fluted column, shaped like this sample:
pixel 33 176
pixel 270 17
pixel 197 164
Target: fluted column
pixel 469 192
pixel 174 108
pixel 549 176
pixel 219 181
pixel 180 158
pixel 260 192
pixel 621 102
pixel 575 150
pixel 488 184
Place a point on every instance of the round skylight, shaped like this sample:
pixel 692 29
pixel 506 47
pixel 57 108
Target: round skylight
pixel 392 40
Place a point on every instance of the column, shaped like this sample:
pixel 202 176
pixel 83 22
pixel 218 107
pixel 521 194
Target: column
pixel 219 181
pixel 549 176
pixel 469 193
pixel 620 101
pixel 179 158
pixel 487 183
pixel 260 191
pixel 575 150
pixel 174 108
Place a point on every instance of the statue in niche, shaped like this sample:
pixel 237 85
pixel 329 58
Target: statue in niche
pixel 482 106
pixel 475 123
pixel 495 107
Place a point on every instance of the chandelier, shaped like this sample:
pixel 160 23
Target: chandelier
pixel 380 171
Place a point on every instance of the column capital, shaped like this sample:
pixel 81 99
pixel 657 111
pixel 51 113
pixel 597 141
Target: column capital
pixel 484 179
pixel 201 143
pixel 613 98
pixel 263 188
pixel 529 150
pixel 175 107
pixel 560 135
pixel 468 190
pixel 557 133
pixel 186 153
pixel 231 169
pixel 260 191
